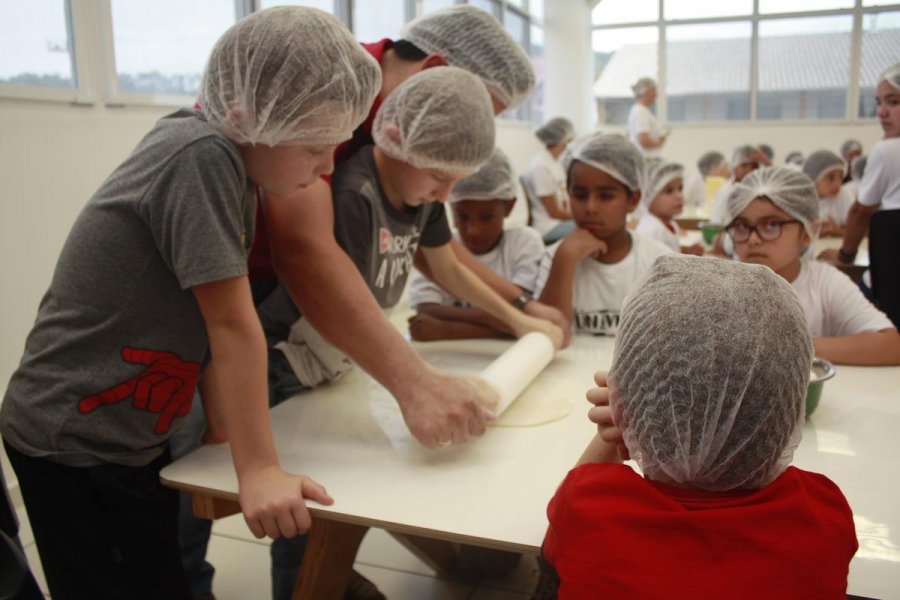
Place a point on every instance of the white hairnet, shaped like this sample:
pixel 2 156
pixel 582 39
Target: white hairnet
pixel 794 158
pixel 289 76
pixel 858 167
pixel 712 398
pixel 437 119
pixel 493 181
pixel 820 163
pixel 659 175
pixel 742 155
pixel 790 190
pixel 611 153
pixel 849 146
pixel 471 39
pixel 710 161
pixel 642 85
pixel 555 131
pixel 892 76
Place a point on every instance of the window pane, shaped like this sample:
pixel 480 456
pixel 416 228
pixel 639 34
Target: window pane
pixel 691 9
pixel 536 8
pixel 708 72
pixel 325 5
pixel 156 54
pixel 785 6
pixel 538 61
pixel 880 44
pixel 377 19
pixel 491 6
pixel 35 48
pixel 518 3
pixel 614 12
pixel 803 68
pixel 878 2
pixel 621 57
pixel 432 5
pixel 517 27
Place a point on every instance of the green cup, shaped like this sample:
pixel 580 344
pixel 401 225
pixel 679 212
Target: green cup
pixel 709 232
pixel 823 371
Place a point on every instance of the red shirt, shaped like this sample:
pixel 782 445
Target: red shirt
pixel 614 534
pixel 260 259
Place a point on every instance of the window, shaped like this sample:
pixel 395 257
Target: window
pixel 156 54
pixel 794 6
pixel 35 44
pixel 377 19
pixel 880 43
pixel 804 67
pixel 708 71
pixel 538 62
pixel 617 12
pixel 691 9
pixel 432 5
pixel 491 6
pixel 324 5
pixel 621 57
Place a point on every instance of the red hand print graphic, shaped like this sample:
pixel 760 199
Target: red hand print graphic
pixel 166 386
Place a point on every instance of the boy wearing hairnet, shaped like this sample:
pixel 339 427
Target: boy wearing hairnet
pixel 826 169
pixel 718 512
pixel 663 199
pixel 152 280
pixel 480 204
pixel 773 216
pixel 545 182
pixel 587 274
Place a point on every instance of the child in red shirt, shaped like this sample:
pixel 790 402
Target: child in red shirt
pixel 709 402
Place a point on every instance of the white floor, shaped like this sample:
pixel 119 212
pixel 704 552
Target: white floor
pixel 242 568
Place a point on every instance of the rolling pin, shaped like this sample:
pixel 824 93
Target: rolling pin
pixel 516 368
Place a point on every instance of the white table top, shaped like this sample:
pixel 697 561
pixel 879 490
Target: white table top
pixel 494 490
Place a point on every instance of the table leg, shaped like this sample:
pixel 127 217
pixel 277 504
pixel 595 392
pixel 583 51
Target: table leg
pixel 328 560
pixel 439 555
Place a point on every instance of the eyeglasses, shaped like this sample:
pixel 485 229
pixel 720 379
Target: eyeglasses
pixel 767 230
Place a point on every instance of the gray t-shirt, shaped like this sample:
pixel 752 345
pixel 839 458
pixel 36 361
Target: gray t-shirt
pixel 115 353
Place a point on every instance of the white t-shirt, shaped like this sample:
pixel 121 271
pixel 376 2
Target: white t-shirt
pixel 833 304
pixel 653 227
pixel 695 190
pixel 881 181
pixel 600 289
pixel 642 120
pixel 515 258
pixel 836 208
pixel 545 177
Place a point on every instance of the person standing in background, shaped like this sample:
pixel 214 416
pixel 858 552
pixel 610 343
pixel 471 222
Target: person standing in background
pixel 643 128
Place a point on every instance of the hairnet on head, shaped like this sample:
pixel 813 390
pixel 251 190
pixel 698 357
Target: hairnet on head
pixel 850 146
pixel 710 161
pixel 790 190
pixel 712 398
pixel 892 76
pixel 437 119
pixel 493 181
pixel 471 39
pixel 555 131
pixel 768 150
pixel 820 163
pixel 642 85
pixel 742 155
pixel 288 76
pixel 858 167
pixel 611 153
pixel 659 175
pixel 794 158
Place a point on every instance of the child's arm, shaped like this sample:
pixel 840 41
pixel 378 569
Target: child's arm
pixel 464 314
pixel 559 289
pixel 506 289
pixel 424 327
pixel 607 446
pixel 271 499
pixel 873 348
pixel 459 281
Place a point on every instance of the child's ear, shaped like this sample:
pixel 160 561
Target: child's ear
pixel 634 200
pixel 434 60
pixel 508 206
pixel 392 132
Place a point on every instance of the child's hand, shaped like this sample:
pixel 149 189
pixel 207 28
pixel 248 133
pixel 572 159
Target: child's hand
pixel 581 243
pixel 695 250
pixel 552 314
pixel 525 324
pixel 272 501
pixel 424 327
pixel 601 414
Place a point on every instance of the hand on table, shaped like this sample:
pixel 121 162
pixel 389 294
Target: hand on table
pixel 444 409
pixel 272 501
pixel 601 414
pixel 425 328
pixel 526 324
pixel 552 314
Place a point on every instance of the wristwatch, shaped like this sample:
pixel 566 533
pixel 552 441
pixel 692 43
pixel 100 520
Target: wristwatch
pixel 522 299
pixel 846 257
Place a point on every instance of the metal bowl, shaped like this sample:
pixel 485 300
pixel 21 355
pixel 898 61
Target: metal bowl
pixel 709 231
pixel 823 371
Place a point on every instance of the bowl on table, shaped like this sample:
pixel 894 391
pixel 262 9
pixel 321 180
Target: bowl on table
pixel 821 371
pixel 709 231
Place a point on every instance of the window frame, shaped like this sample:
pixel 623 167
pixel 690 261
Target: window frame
pixel 851 108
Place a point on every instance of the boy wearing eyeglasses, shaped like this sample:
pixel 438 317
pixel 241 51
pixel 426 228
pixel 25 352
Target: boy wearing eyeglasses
pixel 772 222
